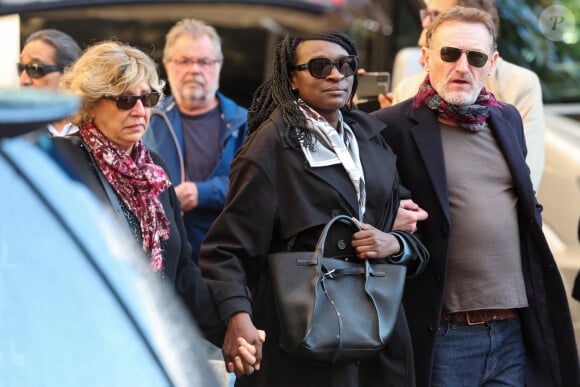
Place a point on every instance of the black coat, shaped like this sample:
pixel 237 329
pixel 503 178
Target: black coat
pixel 414 135
pixel 180 267
pixel 275 195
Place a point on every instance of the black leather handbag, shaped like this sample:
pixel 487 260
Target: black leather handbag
pixel 334 310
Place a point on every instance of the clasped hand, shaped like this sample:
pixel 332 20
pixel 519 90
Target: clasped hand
pixel 242 347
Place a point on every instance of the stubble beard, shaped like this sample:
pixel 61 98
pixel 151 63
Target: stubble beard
pixel 192 99
pixel 460 99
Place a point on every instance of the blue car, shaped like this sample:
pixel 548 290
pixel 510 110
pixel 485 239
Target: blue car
pixel 79 305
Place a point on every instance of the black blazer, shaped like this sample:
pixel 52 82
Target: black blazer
pixel 414 135
pixel 181 269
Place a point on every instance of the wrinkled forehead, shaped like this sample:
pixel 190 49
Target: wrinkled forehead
pixel 440 5
pixel 39 50
pixel 465 35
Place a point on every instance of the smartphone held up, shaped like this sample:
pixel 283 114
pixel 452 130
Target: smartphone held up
pixel 370 85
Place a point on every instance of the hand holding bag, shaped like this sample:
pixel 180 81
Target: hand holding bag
pixel 334 310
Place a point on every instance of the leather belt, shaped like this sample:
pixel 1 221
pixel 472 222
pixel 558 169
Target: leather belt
pixel 478 317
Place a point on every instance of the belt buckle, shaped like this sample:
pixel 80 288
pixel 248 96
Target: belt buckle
pixel 471 322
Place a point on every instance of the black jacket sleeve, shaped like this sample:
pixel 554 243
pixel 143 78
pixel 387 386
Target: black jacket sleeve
pixel 188 281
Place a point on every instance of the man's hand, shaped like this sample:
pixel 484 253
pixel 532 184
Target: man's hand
pixel 385 100
pixel 242 347
pixel 187 195
pixel 408 215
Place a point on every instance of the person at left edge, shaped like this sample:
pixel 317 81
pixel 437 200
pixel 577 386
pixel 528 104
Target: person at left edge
pixel 45 55
pixel 118 85
pixel 197 130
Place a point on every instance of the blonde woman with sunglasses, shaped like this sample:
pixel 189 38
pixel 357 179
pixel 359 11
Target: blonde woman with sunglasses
pixel 119 85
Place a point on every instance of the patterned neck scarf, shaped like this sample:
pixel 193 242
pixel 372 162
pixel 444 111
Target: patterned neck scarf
pixel 344 146
pixel 138 182
pixel 470 117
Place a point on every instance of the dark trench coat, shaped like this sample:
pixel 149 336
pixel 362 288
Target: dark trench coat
pixel 274 195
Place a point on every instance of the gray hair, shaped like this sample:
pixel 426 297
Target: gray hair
pixel 488 6
pixel 67 50
pixel 463 14
pixel 195 29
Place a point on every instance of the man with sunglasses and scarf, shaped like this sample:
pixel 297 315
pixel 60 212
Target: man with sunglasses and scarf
pixel 197 130
pixel 490 308
pixel 43 58
pixel 508 82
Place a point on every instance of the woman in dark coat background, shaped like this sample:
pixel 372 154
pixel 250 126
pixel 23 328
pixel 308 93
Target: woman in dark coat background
pixel 286 183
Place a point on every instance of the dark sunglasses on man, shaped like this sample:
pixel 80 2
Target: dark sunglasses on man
pixel 474 58
pixel 127 102
pixel 37 70
pixel 322 67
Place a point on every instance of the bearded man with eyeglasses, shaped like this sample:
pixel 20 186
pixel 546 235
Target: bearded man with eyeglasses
pixel 197 130
pixel 490 308
pixel 45 55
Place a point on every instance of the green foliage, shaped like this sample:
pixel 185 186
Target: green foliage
pixel 522 41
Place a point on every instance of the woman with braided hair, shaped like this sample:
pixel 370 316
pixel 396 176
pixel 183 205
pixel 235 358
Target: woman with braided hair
pixel 308 158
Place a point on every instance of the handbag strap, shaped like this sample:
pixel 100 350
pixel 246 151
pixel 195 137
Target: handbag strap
pixel 333 274
pixel 338 317
pixel 367 270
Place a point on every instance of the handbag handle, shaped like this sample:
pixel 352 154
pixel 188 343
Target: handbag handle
pixel 365 270
pixel 318 254
pixel 319 250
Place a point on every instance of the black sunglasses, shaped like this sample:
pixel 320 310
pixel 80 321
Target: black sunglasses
pixel 474 58
pixel 37 70
pixel 321 67
pixel 126 102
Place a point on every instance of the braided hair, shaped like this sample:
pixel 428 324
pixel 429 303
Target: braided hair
pixel 276 90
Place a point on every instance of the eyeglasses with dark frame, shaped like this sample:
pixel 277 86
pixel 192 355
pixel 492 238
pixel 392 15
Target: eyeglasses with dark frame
pixel 127 102
pixel 322 67
pixel 425 13
pixel 37 70
pixel 474 58
pixel 188 62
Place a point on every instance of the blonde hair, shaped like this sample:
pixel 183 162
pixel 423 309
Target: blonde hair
pixel 195 29
pixel 108 68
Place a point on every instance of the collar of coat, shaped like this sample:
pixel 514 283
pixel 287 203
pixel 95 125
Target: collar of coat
pixel 362 124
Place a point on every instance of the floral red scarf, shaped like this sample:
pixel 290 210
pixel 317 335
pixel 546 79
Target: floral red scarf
pixel 138 182
pixel 470 117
